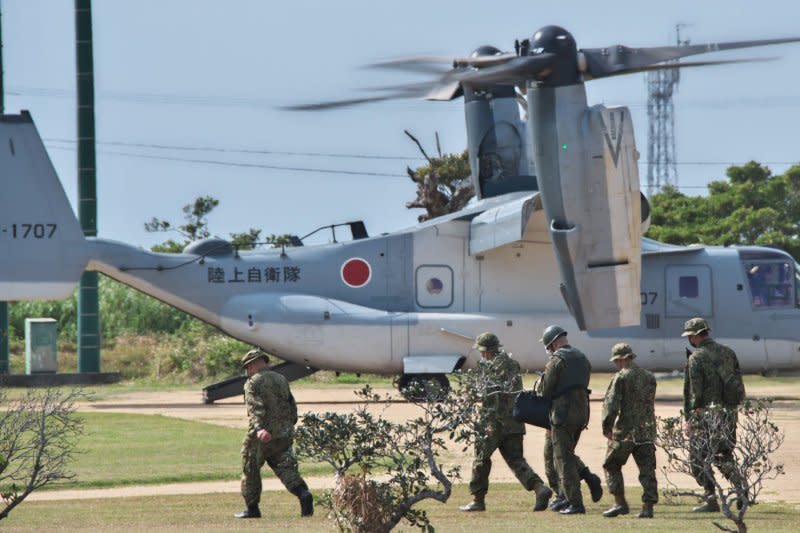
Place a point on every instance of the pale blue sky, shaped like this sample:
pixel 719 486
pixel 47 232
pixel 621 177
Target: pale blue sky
pixel 209 77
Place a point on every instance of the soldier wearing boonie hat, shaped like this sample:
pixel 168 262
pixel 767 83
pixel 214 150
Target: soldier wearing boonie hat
pixel 621 350
pixel 695 326
pixel 272 414
pixel 502 431
pixel 703 386
pixel 629 424
pixel 254 355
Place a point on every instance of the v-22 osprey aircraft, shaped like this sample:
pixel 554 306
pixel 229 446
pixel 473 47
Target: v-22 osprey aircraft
pixel 555 236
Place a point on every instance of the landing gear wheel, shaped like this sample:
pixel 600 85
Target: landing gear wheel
pixel 423 387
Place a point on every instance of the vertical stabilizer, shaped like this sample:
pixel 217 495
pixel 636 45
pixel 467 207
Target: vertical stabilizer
pixel 42 248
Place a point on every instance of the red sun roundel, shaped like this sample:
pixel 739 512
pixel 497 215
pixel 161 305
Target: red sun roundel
pixel 356 272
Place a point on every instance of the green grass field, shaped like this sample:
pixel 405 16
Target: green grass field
pixel 129 449
pixel 509 510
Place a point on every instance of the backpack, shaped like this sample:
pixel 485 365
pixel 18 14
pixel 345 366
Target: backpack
pixel 733 392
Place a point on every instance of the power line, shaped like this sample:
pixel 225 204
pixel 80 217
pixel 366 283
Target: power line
pixel 248 165
pixel 333 154
pixel 242 150
pixel 354 172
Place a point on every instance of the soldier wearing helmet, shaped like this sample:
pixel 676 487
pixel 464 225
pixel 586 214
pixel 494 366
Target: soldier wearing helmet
pixel 502 374
pixel 703 386
pixel 629 424
pixel 272 414
pixel 565 382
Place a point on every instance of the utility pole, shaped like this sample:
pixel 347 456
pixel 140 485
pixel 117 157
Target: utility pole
pixel 3 305
pixel 661 158
pixel 88 297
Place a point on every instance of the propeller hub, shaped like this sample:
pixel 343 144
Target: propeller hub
pixel 559 42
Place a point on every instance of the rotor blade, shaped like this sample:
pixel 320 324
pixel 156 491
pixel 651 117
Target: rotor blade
pixel 686 64
pixel 431 63
pixel 445 91
pixel 322 106
pixel 515 70
pixel 424 64
pixel 601 62
pixel 484 61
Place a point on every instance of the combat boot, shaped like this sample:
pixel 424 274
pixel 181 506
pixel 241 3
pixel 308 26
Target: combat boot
pixel 594 483
pixel 711 505
pixel 477 504
pixel 574 509
pixel 543 494
pixel 306 500
pixel 559 503
pixel 252 511
pixel 646 512
pixel 306 503
pixel 620 507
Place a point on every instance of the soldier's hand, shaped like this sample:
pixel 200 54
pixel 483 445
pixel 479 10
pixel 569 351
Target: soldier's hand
pixel 608 435
pixel 263 435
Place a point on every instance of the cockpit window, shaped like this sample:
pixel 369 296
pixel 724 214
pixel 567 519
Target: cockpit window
pixel 772 283
pixel 797 284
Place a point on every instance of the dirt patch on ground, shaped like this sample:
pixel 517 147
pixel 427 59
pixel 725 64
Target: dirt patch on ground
pixel 592 446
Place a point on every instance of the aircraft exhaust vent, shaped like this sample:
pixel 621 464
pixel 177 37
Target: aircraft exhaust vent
pixel 652 321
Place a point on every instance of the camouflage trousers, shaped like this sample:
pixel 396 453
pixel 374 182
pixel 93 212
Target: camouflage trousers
pixel 565 438
pixel 550 465
pixel 702 463
pixel 280 458
pixel 645 456
pixel 510 447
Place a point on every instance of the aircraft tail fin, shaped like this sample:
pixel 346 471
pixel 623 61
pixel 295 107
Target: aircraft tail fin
pixel 42 249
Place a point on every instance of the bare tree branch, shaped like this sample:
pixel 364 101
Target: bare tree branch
pixel 38 435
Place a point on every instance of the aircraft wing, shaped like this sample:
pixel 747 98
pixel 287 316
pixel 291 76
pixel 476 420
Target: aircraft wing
pixel 506 223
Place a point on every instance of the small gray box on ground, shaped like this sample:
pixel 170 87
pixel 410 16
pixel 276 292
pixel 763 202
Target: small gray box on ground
pixel 40 345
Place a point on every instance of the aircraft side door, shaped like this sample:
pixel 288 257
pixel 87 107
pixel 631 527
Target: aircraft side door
pixel 689 292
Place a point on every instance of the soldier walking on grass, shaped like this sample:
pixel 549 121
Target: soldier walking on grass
pixel 502 432
pixel 592 480
pixel 629 424
pixel 565 382
pixel 272 414
pixel 713 377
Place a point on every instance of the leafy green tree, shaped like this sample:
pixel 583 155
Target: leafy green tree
pixel 752 206
pixel 194 228
pixel 383 469
pixel 443 184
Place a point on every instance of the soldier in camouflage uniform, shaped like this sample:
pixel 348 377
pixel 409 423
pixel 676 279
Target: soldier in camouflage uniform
pixel 272 414
pixel 592 480
pixel 702 386
pixel 565 382
pixel 629 424
pixel 502 431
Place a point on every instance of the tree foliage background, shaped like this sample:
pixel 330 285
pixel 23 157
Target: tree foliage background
pixel 752 206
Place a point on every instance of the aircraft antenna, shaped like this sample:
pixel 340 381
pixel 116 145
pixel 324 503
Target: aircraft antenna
pixel 661 158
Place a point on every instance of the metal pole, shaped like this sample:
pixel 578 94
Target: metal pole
pixel 3 305
pixel 88 304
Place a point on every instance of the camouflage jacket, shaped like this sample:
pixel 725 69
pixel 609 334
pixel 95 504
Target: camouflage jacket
pixel 503 374
pixel 270 404
pixel 565 381
pixel 701 382
pixel 628 408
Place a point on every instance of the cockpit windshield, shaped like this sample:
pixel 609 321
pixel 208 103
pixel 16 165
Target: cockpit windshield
pixel 797 285
pixel 773 283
